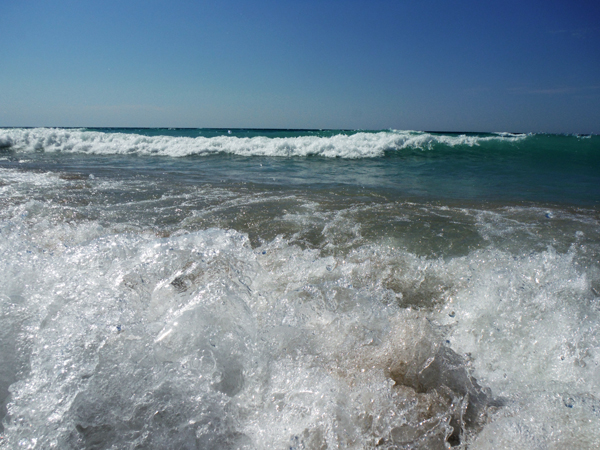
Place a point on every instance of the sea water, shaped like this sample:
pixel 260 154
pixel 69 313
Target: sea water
pixel 286 289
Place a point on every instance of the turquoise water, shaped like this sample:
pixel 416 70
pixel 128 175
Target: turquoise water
pixel 489 167
pixel 296 289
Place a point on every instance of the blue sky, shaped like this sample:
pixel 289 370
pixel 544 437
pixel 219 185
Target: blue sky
pixel 526 65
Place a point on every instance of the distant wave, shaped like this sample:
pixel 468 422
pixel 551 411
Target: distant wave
pixel 358 145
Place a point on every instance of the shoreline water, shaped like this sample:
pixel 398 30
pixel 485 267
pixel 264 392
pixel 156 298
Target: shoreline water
pixel 415 297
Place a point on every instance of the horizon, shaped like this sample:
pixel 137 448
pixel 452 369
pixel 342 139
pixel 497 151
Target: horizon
pixel 356 130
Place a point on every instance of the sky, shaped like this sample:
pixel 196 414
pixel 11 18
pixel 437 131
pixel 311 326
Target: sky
pixel 472 65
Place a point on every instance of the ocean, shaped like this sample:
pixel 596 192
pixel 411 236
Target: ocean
pixel 298 289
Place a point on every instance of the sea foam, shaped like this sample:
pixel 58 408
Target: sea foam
pixel 151 312
pixel 200 340
pixel 357 145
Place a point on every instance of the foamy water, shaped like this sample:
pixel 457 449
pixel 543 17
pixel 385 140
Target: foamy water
pixel 356 145
pixel 143 307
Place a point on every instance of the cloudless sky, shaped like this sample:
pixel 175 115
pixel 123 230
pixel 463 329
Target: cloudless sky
pixel 472 65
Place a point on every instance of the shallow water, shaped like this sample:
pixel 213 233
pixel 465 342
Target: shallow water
pixel 408 297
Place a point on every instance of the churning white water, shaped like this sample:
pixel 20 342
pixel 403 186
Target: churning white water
pixel 148 312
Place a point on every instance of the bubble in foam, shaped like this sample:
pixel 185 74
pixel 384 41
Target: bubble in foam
pixel 551 422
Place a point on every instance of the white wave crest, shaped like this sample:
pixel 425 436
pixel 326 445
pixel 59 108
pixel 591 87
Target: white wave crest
pixel 358 145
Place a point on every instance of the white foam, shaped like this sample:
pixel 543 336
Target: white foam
pixel 115 335
pixel 359 145
pixel 546 421
pixel 129 334
pixel 527 321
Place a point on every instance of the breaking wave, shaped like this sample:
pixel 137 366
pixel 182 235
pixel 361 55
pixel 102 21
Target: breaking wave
pixel 357 145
